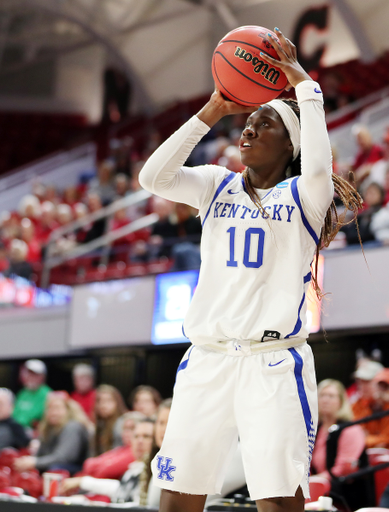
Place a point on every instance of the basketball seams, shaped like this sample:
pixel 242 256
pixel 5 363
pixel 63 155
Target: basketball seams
pixel 225 90
pixel 245 76
pixel 241 83
pixel 274 56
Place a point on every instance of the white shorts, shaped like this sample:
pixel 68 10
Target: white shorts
pixel 268 400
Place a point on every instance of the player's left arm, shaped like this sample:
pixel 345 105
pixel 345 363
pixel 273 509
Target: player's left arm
pixel 315 185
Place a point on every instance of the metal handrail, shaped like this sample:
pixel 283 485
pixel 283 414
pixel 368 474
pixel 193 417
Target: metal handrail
pixel 103 241
pixel 357 105
pixel 124 202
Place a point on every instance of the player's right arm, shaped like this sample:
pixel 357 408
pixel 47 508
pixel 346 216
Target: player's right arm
pixel 164 173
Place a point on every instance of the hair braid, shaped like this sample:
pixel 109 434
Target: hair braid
pixel 333 222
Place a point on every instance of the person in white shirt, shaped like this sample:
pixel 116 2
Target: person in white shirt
pixel 249 373
pixel 127 489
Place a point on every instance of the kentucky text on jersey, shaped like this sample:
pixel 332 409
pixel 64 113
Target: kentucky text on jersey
pixel 278 212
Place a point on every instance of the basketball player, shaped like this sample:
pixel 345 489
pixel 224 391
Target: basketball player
pixel 249 372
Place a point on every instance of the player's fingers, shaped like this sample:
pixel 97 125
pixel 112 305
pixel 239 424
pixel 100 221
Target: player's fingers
pixel 272 61
pixel 284 42
pixel 276 45
pixel 288 87
pixel 293 49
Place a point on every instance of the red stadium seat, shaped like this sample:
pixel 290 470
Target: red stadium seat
pixel 7 456
pixel 318 486
pixel 30 481
pixel 5 477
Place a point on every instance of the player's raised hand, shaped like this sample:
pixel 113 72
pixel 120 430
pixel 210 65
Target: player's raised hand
pixel 218 107
pixel 288 62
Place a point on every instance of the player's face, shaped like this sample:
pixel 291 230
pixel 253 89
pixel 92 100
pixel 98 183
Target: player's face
pixel 264 140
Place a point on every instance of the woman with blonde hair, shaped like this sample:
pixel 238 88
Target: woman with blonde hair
pixel 109 407
pixel 341 452
pixel 63 434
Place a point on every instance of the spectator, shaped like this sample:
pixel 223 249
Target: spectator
pixel 63 434
pixel 27 234
pixel 64 214
pixel 145 399
pixel 4 261
pixel 70 196
pixel 30 401
pixel 121 182
pixel 376 172
pixel 19 266
pixel 366 404
pixel 378 430
pixel 12 434
pixel 47 222
pixel 373 199
pixel 30 207
pixel 141 209
pixel 103 183
pixel 379 224
pixel 80 210
pixel 360 359
pixel 188 225
pixel 10 226
pixel 97 229
pixel 84 392
pixel 340 454
pixel 150 494
pixel 52 194
pixel 163 231
pixel 363 376
pixel 128 489
pixel 113 463
pixel 231 159
pixel 368 152
pixel 121 155
pixel 108 409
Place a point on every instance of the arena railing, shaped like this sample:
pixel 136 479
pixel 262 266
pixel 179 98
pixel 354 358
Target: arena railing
pixel 50 261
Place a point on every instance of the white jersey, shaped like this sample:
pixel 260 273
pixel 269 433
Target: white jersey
pixel 254 270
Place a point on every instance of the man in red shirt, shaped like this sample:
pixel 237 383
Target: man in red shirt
pixel 368 152
pixel 84 392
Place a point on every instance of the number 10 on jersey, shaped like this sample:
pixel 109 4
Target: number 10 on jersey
pixel 257 261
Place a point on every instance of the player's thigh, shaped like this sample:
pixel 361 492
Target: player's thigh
pixel 290 504
pixel 176 502
pixel 201 434
pixel 276 423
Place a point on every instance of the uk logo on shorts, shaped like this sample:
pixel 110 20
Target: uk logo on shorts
pixel 165 469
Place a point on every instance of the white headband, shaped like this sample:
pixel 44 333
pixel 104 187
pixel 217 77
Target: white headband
pixel 291 123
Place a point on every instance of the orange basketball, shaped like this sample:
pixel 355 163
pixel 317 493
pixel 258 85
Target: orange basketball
pixel 239 71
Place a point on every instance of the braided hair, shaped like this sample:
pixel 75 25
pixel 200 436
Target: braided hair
pixel 347 193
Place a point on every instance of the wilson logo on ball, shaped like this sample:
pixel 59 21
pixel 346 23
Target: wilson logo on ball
pixel 260 67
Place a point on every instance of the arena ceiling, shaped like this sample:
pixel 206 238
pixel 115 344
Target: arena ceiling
pixel 165 46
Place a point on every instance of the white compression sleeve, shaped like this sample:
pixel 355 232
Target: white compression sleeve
pixel 315 185
pixel 164 175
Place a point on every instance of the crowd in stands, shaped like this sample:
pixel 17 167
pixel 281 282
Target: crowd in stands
pixel 25 232
pixel 103 448
pixel 89 436
pixel 370 168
